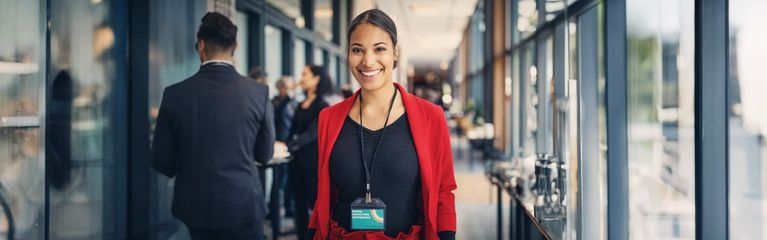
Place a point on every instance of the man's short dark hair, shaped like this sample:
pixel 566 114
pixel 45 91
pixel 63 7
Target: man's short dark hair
pixel 218 32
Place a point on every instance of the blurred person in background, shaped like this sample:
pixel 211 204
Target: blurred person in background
pixel 302 176
pixel 284 109
pixel 257 73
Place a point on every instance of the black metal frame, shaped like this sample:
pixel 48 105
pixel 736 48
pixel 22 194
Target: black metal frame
pixel 711 119
pixel 617 119
pixel 138 134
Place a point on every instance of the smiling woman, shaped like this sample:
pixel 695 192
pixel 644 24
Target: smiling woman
pixel 412 184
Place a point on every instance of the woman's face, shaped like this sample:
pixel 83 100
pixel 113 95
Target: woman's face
pixel 309 81
pixel 371 56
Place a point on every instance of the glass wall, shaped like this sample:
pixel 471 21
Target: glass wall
pixel 748 120
pixel 660 51
pixel 172 59
pixel 22 69
pixel 559 130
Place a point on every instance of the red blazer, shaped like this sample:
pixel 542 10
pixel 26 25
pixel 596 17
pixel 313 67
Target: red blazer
pixel 435 159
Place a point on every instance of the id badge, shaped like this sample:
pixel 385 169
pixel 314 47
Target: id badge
pixel 368 215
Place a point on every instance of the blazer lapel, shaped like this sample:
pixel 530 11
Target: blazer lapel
pixel 419 128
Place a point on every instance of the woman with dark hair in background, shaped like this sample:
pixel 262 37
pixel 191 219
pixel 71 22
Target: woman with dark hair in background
pixel 385 162
pixel 302 176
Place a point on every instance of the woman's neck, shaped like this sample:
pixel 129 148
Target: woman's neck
pixel 311 94
pixel 378 99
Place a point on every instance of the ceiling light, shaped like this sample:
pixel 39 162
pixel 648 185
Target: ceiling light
pixel 443 65
pixel 300 22
pixel 323 13
pixel 527 8
pixel 424 9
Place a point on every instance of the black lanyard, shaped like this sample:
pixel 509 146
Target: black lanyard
pixel 368 171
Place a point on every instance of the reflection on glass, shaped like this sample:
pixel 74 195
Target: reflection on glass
pixel 241 54
pixel 323 19
pixel 81 111
pixel 748 120
pixel 660 54
pixel 273 51
pixel 172 59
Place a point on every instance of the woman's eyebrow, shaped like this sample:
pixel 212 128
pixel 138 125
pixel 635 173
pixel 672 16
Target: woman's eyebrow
pixel 376 44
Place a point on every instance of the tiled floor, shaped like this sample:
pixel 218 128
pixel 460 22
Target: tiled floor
pixel 475 201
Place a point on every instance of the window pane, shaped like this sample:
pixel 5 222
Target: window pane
pixel 172 59
pixel 476 40
pixel 570 137
pixel 331 68
pixel 291 8
pixel 529 100
pixel 323 19
pixel 591 126
pixel 748 120
pixel 554 7
pixel 299 61
pixel 318 56
pixel 241 54
pixel 273 64
pixel 22 170
pixel 83 162
pixel 661 114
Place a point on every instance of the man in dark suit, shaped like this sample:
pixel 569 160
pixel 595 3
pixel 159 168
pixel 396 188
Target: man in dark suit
pixel 211 130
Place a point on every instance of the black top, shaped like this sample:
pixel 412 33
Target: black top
pixel 284 108
pixel 303 135
pixel 211 130
pixel 395 177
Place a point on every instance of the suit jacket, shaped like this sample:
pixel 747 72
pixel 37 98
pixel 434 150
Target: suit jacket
pixel 211 130
pixel 432 142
